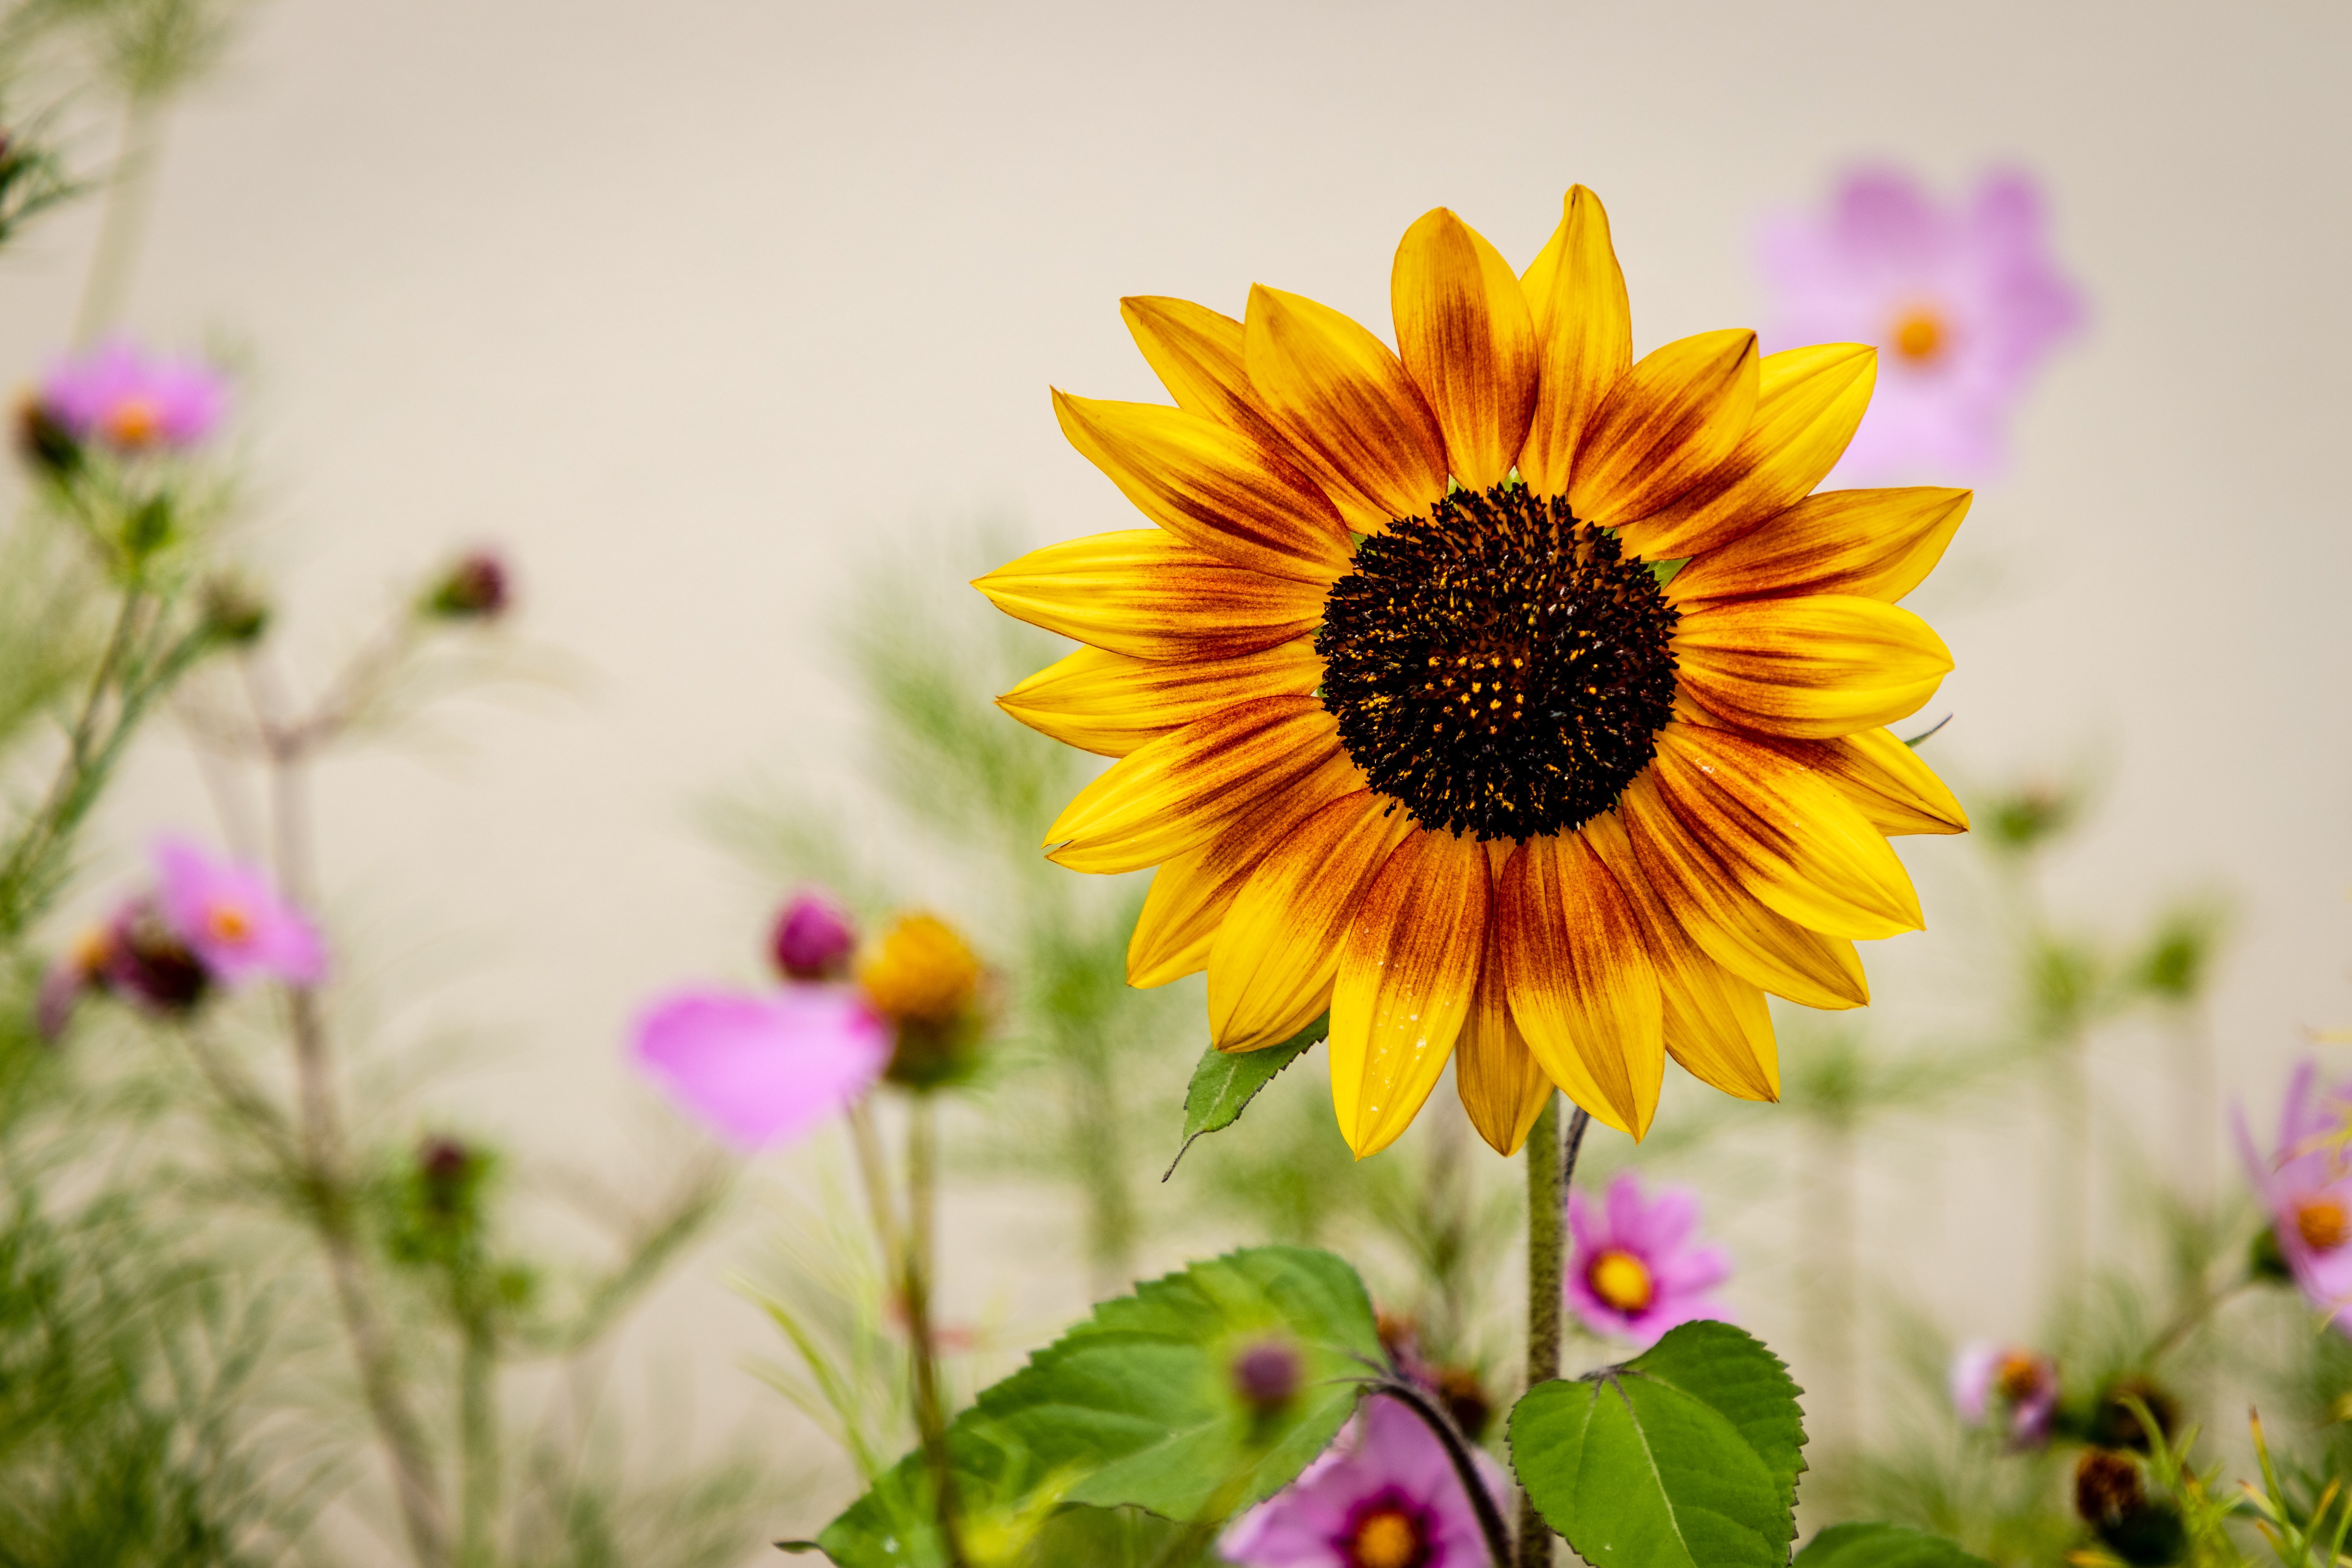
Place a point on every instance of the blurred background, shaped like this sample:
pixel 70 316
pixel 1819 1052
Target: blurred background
pixel 711 315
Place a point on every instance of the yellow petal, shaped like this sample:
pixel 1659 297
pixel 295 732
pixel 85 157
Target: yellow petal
pixel 1583 989
pixel 1144 594
pixel 1464 335
pixel 1197 354
pixel 1807 403
pixel 1272 964
pixel 1170 795
pixel 1787 834
pixel 1502 1087
pixel 1211 486
pixel 1584 325
pixel 1668 422
pixel 1875 544
pixel 1886 781
pixel 1825 665
pixel 1408 969
pixel 1345 406
pixel 1109 704
pixel 1190 893
pixel 1716 1025
pixel 1705 899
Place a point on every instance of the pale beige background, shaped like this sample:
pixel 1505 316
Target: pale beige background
pixel 687 303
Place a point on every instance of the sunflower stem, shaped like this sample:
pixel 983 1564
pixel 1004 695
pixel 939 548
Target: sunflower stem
pixel 1547 1260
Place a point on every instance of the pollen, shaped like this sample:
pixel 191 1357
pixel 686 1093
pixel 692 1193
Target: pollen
pixel 228 922
pixel 2323 1223
pixel 1498 666
pixel 1623 1280
pixel 1387 1538
pixel 135 422
pixel 1919 335
pixel 2019 1377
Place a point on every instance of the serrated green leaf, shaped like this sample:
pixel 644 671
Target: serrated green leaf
pixel 1136 1407
pixel 1884 1546
pixel 1226 1082
pixel 1686 1457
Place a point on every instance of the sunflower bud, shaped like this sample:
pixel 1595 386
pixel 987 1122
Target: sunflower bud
pixel 925 980
pixel 812 940
pixel 1267 1376
pixel 475 589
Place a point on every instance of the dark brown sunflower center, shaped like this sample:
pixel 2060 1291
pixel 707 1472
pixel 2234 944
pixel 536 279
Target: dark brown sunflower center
pixel 1498 665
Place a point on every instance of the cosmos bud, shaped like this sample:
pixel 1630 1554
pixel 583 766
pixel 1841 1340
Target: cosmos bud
pixel 148 966
pixel 925 980
pixel 234 613
pixel 812 940
pixel 443 1166
pixel 45 446
pixel 1463 1394
pixel 1266 1377
pixel 475 589
pixel 2026 818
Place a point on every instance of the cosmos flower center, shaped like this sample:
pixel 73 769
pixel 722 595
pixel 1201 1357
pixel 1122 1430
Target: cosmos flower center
pixel 1498 666
pixel 228 922
pixel 135 422
pixel 1621 1279
pixel 2018 1376
pixel 1919 334
pixel 1387 1538
pixel 2323 1223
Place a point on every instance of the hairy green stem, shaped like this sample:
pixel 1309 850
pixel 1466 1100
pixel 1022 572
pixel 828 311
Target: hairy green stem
pixel 915 1287
pixel 1547 1263
pixel 478 1437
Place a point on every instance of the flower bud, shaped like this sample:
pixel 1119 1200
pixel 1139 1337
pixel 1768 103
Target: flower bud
pixel 1463 1394
pixel 475 589
pixel 234 613
pixel 2115 1423
pixel 1266 1377
pixel 2026 818
pixel 45 446
pixel 2145 1532
pixel 812 940
pixel 925 980
pixel 444 1168
pixel 148 966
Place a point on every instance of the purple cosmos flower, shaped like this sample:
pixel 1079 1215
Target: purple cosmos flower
pixel 1632 1272
pixel 1962 303
pixel 760 1069
pixel 1384 1495
pixel 232 920
pixel 2019 1386
pixel 812 939
pixel 2307 1185
pixel 116 396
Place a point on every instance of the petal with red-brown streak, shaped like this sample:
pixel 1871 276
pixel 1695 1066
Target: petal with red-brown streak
pixel 1669 421
pixel 1464 335
pixel 1875 544
pixel 1584 327
pixel 1811 668
pixel 1148 594
pixel 1108 703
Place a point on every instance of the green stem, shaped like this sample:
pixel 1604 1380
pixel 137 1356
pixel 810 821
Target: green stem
pixel 1103 1175
pixel 1546 1264
pixel 477 1417
pixel 915 1287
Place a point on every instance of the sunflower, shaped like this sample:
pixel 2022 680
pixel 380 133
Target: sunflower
pixel 1508 698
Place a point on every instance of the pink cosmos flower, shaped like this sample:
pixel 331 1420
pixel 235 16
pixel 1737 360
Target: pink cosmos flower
pixel 126 400
pixel 2018 1385
pixel 2307 1185
pixel 1632 1272
pixel 1962 303
pixel 762 1069
pixel 1384 1495
pixel 232 920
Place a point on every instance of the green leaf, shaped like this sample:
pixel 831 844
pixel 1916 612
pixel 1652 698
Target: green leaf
pixel 1686 1457
pixel 1226 1082
pixel 1137 1407
pixel 1882 1546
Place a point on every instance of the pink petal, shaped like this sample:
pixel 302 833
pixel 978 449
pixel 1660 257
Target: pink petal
pixel 762 1069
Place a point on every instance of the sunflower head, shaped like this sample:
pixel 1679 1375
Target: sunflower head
pixel 1512 700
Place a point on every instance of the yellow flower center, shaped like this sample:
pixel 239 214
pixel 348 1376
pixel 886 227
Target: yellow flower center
pixel 1387 1538
pixel 135 422
pixel 2323 1224
pixel 228 922
pixel 2018 1377
pixel 922 972
pixel 1919 335
pixel 1621 1279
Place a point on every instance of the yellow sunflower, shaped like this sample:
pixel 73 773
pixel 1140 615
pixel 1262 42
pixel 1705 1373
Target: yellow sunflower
pixel 1509 698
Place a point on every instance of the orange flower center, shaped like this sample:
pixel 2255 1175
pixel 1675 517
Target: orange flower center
pixel 2020 1376
pixel 228 922
pixel 2323 1224
pixel 1621 1279
pixel 922 972
pixel 1387 1538
pixel 1919 335
pixel 135 422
